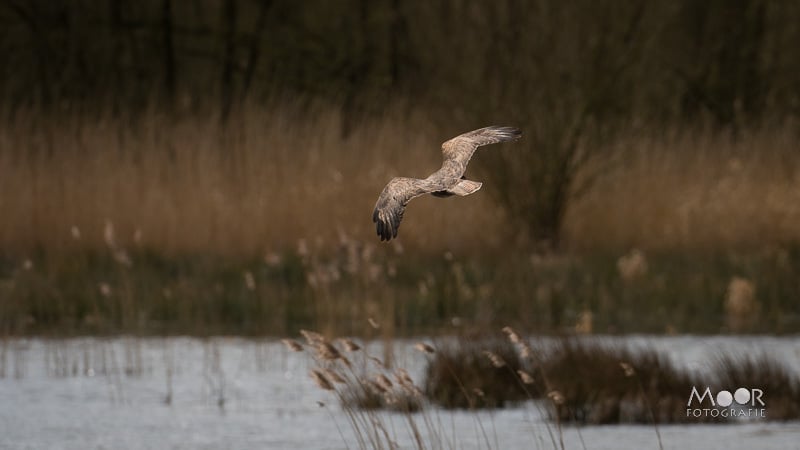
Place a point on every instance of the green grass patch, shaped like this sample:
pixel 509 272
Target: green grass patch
pixel 144 292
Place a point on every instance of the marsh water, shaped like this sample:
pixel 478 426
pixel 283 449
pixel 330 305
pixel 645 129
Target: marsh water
pixel 234 393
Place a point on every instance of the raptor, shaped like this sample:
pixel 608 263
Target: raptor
pixel 448 180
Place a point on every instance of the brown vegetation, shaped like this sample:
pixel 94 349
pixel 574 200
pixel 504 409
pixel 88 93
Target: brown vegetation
pixel 475 372
pixel 693 190
pixel 602 384
pixel 576 380
pixel 280 176
pixel 364 385
pixel 780 385
pixel 263 226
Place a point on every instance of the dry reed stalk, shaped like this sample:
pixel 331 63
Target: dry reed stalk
pixel 512 335
pixel 376 387
pixel 402 377
pixel 327 351
pixel 497 360
pixel 321 380
pixel 292 345
pixel 627 369
pixel 384 381
pixel 525 351
pixel 424 348
pixel 525 377
pixel 349 345
pixel 312 338
pixel 334 376
pixel 556 396
pixel 741 305
pixel 377 361
pixel 632 266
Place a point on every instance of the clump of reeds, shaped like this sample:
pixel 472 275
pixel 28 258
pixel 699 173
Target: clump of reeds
pixel 741 305
pixel 578 381
pixel 780 386
pixel 381 393
pixel 603 384
pixel 475 372
pixel 364 386
pixel 365 383
pixel 632 265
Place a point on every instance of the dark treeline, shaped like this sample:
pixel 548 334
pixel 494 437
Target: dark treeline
pixel 729 60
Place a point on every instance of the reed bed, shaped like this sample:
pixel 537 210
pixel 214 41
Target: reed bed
pixel 365 385
pixel 187 185
pixel 172 223
pixel 571 380
pixel 276 175
pixel 688 190
pixel 603 385
pixel 780 384
pixel 133 290
pixel 584 381
pixel 476 372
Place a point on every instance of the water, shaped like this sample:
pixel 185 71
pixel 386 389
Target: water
pixel 232 393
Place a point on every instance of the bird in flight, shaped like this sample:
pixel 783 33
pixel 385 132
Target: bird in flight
pixel 447 181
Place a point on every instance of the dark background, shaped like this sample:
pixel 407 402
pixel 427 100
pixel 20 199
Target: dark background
pixel 734 61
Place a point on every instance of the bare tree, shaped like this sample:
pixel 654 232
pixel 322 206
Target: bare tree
pixel 567 108
pixel 229 58
pixel 254 48
pixel 42 49
pixel 357 66
pixel 167 31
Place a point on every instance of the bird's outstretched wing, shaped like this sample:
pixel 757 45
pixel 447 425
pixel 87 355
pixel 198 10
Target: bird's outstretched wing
pixel 392 203
pixel 458 151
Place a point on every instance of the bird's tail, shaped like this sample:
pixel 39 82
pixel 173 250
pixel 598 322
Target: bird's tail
pixel 465 187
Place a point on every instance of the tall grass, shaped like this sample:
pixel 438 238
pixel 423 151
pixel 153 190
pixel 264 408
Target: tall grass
pixel 278 175
pixel 700 189
pixel 174 223
pixel 186 185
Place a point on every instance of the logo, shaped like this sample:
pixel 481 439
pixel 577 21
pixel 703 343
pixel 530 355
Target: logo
pixel 743 403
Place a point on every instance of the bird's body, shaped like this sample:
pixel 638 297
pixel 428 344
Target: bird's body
pixel 447 181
